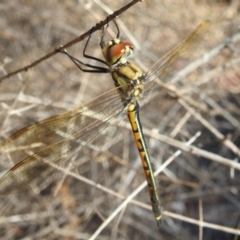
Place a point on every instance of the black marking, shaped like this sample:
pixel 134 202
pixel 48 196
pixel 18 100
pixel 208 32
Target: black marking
pixel 141 149
pixel 150 186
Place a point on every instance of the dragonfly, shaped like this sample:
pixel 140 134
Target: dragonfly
pixel 59 139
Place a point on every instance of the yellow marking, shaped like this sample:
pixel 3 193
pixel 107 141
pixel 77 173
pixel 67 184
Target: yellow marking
pixel 136 69
pixel 123 60
pixel 117 40
pixel 137 92
pixel 127 49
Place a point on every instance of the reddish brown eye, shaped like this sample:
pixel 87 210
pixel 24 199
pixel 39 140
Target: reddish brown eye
pixel 115 52
pixel 128 44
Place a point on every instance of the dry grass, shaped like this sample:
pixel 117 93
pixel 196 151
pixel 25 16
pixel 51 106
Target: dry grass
pixel 199 187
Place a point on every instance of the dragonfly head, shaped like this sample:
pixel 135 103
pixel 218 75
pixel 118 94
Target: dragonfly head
pixel 117 52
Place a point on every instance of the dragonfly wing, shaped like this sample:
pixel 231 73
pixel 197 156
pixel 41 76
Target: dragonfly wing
pixel 164 67
pixel 54 141
pixel 38 136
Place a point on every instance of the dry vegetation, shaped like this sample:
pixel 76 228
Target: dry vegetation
pixel 199 188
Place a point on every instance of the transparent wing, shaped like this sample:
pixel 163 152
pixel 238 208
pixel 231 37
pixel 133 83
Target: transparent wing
pixel 56 140
pixel 163 68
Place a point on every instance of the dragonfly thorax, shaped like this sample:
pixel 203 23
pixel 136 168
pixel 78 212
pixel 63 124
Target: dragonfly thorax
pixel 128 78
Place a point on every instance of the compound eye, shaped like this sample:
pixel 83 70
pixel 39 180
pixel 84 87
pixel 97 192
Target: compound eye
pixel 115 52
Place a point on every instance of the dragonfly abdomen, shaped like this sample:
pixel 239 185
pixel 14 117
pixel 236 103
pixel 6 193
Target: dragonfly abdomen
pixel 133 115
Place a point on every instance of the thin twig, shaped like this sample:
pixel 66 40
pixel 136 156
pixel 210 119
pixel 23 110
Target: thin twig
pixel 98 26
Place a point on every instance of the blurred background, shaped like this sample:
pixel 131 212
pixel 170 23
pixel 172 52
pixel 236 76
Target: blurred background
pixel 199 190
